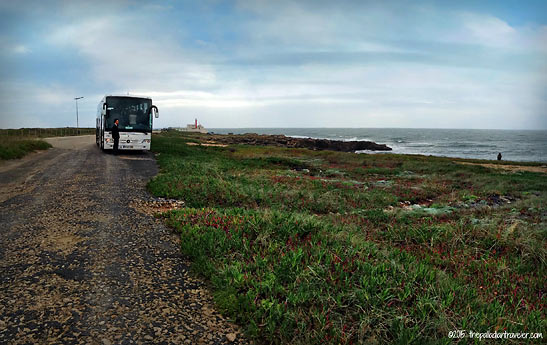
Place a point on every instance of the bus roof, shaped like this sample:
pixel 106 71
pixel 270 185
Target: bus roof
pixel 132 96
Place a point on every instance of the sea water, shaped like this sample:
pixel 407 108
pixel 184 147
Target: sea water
pixel 514 145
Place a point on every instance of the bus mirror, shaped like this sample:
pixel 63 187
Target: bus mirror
pixel 103 111
pixel 155 112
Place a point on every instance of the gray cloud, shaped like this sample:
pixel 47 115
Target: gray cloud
pixel 293 64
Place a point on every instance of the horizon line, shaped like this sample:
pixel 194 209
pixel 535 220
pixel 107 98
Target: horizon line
pixel 488 129
pixel 442 128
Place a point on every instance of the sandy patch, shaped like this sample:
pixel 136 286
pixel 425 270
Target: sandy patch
pixel 157 206
pixel 135 158
pixel 207 144
pixel 13 189
pixel 513 168
pixel 61 241
pixel 71 143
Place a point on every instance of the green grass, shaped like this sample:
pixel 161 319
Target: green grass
pixel 18 148
pixel 319 247
pixel 27 133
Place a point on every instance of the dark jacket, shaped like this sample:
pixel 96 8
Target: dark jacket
pixel 115 132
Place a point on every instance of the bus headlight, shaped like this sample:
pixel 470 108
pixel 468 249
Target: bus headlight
pixel 146 141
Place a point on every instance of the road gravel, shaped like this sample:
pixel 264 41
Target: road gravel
pixel 80 264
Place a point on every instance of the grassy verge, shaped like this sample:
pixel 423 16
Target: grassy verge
pixel 310 247
pixel 18 148
pixel 26 133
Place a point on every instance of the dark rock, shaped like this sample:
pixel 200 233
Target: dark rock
pixel 307 143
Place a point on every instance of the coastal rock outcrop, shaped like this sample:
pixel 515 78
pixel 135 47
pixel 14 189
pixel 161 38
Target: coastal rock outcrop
pixel 308 143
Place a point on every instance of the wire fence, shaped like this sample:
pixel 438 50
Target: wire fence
pixel 44 132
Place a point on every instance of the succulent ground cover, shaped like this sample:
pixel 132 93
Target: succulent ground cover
pixel 310 247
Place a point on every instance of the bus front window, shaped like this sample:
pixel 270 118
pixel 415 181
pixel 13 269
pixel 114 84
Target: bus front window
pixel 133 113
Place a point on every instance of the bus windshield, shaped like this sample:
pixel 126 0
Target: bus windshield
pixel 133 114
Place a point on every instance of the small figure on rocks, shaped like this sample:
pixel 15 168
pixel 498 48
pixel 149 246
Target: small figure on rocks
pixel 116 135
pixel 499 156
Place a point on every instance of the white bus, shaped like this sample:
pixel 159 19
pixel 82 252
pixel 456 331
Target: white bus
pixel 135 115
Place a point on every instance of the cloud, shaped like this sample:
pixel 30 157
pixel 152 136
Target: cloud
pixel 121 52
pixel 489 30
pixel 320 25
pixel 21 49
pixel 29 105
pixel 493 32
pixel 284 63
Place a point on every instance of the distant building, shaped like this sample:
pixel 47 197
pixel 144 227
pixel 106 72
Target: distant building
pixel 192 127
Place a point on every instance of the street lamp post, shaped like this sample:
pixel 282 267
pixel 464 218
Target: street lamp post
pixel 77 126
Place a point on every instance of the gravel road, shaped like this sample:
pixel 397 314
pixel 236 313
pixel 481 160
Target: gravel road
pixel 80 264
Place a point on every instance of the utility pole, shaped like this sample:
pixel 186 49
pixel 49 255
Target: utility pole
pixel 77 126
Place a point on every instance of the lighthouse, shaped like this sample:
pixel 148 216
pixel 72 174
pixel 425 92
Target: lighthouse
pixel 194 127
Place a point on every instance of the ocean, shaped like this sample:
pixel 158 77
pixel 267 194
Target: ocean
pixel 514 145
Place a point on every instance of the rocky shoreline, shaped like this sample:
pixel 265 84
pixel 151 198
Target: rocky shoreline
pixel 307 143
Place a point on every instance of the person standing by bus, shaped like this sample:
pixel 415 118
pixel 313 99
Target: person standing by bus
pixel 116 135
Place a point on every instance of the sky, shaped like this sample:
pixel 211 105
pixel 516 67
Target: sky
pixel 407 64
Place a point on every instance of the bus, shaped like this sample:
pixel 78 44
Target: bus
pixel 135 116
